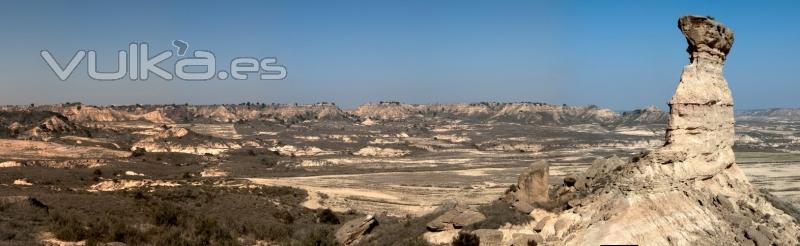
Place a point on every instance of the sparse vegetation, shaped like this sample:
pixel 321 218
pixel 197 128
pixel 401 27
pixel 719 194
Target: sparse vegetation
pixel 202 215
pixel 499 213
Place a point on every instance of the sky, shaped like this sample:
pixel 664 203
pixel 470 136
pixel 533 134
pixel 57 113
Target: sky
pixel 617 54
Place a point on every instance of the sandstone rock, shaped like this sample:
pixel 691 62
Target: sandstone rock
pixel 532 184
pixel 371 151
pixel 289 150
pixel 213 172
pixel 759 238
pixel 521 206
pixel 10 164
pixel 354 230
pixel 455 218
pixel 24 182
pixel 132 173
pixel 540 224
pixel 440 237
pixel 707 38
pixel 112 185
pixel 489 236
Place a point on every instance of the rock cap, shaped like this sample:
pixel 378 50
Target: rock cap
pixel 707 38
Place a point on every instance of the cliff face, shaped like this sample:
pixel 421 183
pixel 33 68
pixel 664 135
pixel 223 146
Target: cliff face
pixel 690 191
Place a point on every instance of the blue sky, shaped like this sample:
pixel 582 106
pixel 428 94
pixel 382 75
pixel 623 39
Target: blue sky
pixel 617 54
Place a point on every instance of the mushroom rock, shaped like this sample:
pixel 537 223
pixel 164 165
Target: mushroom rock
pixel 688 192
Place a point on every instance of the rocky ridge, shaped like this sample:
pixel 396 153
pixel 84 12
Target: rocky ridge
pixel 519 112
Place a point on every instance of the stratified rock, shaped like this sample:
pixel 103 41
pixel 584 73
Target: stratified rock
pixel 532 184
pixel 456 218
pixel 701 122
pixel 354 230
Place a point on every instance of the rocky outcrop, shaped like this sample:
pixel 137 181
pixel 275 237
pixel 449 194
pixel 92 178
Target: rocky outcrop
pixel 354 230
pixel 113 185
pixel 455 218
pixel 290 150
pixel 648 115
pixel 371 151
pixel 23 150
pixel 182 140
pixel 86 113
pixel 688 192
pixel 532 186
pixel 10 164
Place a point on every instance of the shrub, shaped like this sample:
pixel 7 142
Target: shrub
pixel 169 236
pixel 284 216
pixel 268 230
pixel 67 227
pixel 208 232
pixel 327 216
pixel 466 239
pixel 166 214
pixel 318 236
pixel 108 229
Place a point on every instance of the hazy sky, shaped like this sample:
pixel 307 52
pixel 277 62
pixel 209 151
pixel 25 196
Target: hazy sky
pixel 621 55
